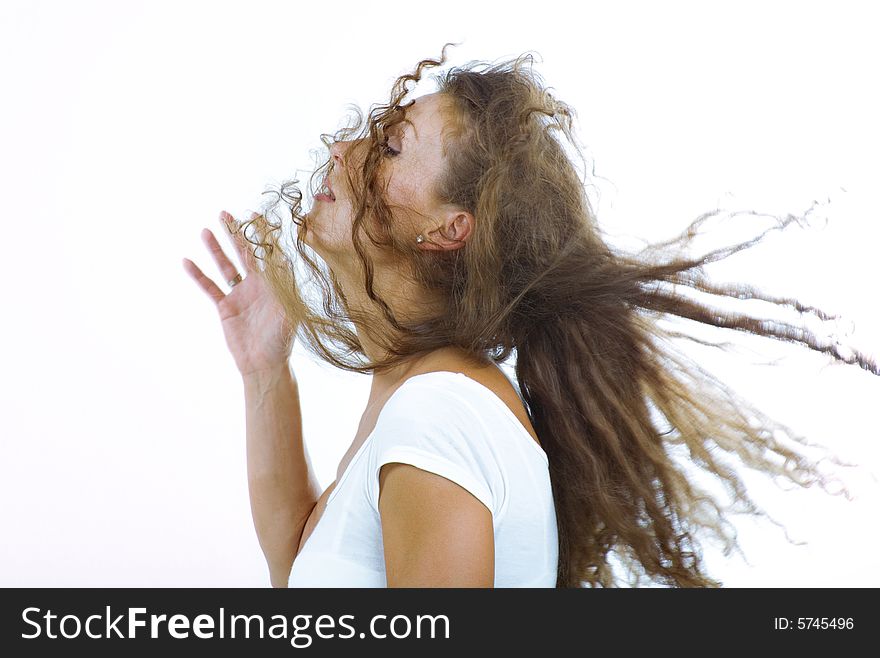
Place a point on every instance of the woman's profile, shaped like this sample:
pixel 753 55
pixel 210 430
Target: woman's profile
pixel 454 232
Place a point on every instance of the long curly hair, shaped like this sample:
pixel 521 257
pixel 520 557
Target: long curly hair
pixel 613 400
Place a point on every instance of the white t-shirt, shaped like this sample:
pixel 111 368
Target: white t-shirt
pixel 449 424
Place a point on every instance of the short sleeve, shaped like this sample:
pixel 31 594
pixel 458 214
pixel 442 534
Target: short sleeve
pixel 428 424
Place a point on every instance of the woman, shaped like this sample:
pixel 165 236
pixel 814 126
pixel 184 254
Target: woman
pixel 456 231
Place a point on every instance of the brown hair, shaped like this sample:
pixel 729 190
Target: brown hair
pixel 613 401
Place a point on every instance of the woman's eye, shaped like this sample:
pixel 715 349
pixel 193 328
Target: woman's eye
pixel 387 150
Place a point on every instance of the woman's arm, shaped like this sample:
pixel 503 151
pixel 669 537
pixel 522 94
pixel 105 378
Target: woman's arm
pixel 435 533
pixel 283 489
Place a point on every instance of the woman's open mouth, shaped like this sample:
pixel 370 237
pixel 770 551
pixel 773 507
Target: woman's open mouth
pixel 325 193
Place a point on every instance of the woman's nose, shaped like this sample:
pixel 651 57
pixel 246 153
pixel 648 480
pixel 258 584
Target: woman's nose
pixel 348 152
pixel 337 150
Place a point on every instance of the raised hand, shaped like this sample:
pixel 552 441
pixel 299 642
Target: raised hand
pixel 256 329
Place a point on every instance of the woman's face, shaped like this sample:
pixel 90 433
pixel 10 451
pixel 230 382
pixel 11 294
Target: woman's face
pixel 413 160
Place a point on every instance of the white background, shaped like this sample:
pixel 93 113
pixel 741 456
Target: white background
pixel 126 127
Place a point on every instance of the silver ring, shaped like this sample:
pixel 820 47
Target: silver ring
pixel 233 281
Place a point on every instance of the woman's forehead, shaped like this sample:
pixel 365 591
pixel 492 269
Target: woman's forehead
pixel 424 117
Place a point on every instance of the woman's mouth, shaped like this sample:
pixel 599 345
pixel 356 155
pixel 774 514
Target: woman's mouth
pixel 325 193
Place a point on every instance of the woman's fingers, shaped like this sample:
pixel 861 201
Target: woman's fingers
pixel 227 268
pixel 238 241
pixel 210 288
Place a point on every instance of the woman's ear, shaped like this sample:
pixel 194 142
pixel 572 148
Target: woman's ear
pixel 452 233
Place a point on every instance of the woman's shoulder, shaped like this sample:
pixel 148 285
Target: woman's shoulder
pixel 447 415
pixel 492 383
